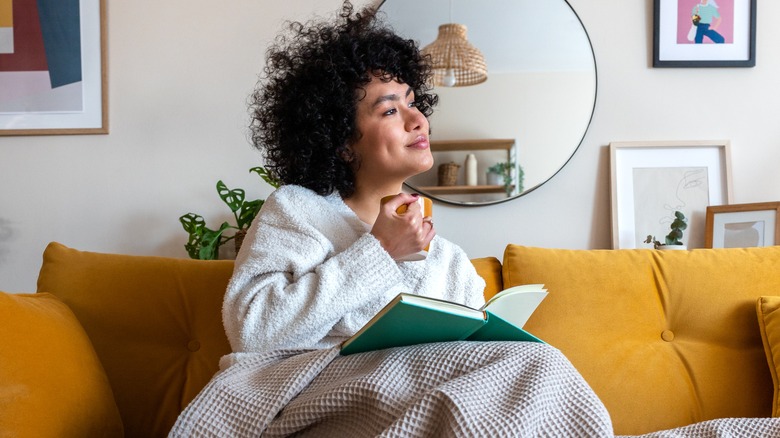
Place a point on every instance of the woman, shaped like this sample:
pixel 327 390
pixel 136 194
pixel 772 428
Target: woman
pixel 342 120
pixel 340 131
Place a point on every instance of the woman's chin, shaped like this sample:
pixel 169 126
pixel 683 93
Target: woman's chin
pixel 426 165
pixel 422 169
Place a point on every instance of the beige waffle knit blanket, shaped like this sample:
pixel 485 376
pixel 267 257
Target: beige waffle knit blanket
pixel 456 389
pixel 465 389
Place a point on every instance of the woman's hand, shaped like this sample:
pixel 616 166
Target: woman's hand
pixel 403 234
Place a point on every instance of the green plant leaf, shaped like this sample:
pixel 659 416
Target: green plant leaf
pixel 248 212
pixel 263 172
pixel 192 222
pixel 520 178
pixel 233 198
pixel 678 225
pixel 204 243
pixel 210 242
pixel 193 246
pixel 194 225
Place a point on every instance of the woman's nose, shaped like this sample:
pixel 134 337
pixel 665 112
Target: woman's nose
pixel 414 119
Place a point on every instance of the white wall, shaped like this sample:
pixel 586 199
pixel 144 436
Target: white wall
pixel 179 75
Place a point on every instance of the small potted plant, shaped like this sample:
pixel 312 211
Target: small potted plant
pixel 204 242
pixel 673 240
pixel 501 174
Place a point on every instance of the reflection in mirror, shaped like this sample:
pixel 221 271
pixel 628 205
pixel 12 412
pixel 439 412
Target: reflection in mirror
pixel 532 111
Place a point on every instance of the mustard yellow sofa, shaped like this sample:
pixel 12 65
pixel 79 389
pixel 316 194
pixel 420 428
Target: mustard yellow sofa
pixel 115 345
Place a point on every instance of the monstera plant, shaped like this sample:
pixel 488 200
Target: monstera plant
pixel 204 242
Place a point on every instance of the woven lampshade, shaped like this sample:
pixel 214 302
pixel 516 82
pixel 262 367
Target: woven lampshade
pixel 451 50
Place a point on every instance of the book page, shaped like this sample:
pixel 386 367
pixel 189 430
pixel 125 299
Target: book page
pixel 517 304
pixel 444 305
pixel 515 289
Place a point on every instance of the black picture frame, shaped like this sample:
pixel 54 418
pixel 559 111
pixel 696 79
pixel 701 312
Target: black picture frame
pixel 668 53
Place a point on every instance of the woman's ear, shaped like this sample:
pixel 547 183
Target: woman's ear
pixel 347 154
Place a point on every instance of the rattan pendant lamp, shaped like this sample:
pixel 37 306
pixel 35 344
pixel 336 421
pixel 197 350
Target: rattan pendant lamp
pixel 456 62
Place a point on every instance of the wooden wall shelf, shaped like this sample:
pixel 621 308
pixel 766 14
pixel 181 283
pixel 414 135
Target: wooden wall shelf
pixel 461 190
pixel 470 146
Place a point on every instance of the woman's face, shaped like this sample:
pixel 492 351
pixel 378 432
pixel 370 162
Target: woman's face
pixel 392 143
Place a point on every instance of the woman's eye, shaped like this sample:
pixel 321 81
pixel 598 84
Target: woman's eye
pixel 390 112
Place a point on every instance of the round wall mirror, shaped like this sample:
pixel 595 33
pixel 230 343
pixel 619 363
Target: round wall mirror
pixel 526 121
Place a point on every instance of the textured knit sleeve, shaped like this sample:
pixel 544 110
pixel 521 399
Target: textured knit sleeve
pixel 300 270
pixel 455 271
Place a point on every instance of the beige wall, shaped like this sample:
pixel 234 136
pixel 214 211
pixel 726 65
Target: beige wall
pixel 180 72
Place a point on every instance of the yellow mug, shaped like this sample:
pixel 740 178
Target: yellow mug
pixel 426 208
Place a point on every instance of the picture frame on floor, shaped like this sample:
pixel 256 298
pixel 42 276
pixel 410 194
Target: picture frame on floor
pixel 650 180
pixel 743 225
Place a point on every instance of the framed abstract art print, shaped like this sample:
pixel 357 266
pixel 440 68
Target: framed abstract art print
pixel 53 67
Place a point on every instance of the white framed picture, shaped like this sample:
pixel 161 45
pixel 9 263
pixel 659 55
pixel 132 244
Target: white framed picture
pixel 651 180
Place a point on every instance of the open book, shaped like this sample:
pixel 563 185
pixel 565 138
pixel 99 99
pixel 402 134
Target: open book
pixel 413 319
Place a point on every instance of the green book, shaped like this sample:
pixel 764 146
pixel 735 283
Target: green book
pixel 412 319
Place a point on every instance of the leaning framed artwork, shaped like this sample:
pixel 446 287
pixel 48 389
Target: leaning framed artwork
pixel 652 180
pixel 53 67
pixel 704 33
pixel 743 225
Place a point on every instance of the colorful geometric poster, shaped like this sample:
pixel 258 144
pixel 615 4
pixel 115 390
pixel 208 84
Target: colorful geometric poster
pixel 6 27
pixel 43 70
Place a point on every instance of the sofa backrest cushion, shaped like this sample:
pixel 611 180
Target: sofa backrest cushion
pixel 768 310
pixel 489 268
pixel 664 338
pixel 52 384
pixel 154 322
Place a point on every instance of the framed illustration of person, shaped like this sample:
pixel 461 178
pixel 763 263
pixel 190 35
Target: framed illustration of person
pixel 704 33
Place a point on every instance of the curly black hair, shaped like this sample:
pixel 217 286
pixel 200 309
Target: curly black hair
pixel 303 110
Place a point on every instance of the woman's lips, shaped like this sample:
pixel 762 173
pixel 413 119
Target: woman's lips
pixel 420 142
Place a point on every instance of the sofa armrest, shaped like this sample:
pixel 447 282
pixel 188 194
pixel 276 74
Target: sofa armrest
pixel 51 381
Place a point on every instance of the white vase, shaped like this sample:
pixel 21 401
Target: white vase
pixel 471 170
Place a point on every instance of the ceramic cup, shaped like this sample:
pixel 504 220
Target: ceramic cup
pixel 426 208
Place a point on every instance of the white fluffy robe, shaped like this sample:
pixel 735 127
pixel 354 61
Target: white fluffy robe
pixel 309 275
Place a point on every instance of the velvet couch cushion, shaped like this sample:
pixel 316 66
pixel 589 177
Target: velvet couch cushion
pixel 489 268
pixel 51 381
pixel 665 338
pixel 768 309
pixel 155 324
